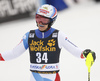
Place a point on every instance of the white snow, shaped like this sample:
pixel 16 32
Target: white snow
pixel 80 22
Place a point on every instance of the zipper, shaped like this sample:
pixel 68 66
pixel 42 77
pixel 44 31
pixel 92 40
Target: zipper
pixel 42 34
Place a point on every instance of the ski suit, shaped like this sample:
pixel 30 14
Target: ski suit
pixel 44 50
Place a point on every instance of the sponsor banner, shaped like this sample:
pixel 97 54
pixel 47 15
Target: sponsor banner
pixel 44 67
pixel 16 9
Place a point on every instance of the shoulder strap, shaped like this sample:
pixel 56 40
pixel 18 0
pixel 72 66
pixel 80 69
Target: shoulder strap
pixel 32 31
pixel 56 31
pixel 55 34
pixel 31 34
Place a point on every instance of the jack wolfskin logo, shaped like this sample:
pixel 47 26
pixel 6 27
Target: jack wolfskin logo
pixel 51 42
pixel 39 45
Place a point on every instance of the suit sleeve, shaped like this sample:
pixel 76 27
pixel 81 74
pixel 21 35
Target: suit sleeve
pixel 16 51
pixel 68 45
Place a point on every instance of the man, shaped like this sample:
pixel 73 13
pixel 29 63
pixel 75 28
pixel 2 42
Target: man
pixel 44 46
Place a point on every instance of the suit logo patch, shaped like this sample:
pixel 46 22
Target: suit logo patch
pixel 31 35
pixel 54 35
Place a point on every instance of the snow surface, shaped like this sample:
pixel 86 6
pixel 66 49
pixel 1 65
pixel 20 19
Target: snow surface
pixel 81 24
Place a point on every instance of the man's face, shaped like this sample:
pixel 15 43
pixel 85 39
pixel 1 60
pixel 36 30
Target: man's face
pixel 42 27
pixel 42 22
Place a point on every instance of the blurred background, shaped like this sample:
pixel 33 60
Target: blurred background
pixel 78 19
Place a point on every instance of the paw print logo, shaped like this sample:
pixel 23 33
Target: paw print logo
pixel 51 42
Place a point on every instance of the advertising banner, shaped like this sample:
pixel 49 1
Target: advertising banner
pixel 16 9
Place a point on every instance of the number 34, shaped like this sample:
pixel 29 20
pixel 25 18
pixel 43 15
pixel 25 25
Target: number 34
pixel 41 57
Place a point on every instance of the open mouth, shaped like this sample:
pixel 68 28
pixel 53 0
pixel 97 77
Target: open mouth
pixel 41 25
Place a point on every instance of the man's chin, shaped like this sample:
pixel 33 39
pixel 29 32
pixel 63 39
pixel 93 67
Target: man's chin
pixel 41 30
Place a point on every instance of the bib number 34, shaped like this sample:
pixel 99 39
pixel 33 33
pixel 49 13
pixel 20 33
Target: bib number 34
pixel 40 57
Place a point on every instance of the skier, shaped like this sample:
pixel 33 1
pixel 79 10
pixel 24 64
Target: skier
pixel 44 46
